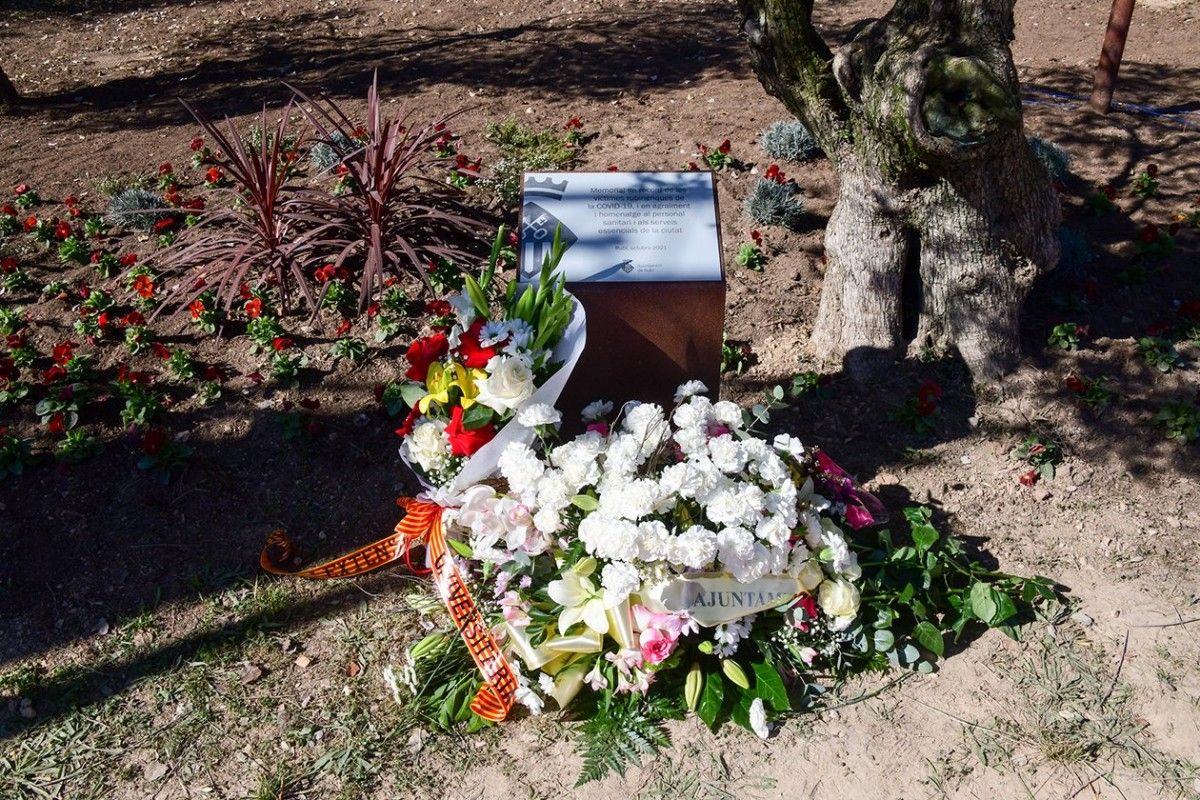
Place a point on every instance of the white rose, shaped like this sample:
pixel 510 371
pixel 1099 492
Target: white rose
pixel 428 445
pixel 810 575
pixel 839 598
pixel 508 384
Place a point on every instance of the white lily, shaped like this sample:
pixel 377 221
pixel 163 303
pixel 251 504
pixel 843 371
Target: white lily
pixel 581 602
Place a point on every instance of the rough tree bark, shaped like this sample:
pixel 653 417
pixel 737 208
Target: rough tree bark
pixel 943 218
pixel 8 92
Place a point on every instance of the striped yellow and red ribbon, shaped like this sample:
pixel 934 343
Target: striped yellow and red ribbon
pixel 422 525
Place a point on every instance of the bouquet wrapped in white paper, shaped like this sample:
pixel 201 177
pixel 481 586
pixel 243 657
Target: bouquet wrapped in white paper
pixel 492 368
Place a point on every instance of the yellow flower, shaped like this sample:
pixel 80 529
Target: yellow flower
pixel 441 379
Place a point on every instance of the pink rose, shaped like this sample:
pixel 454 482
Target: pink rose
pixel 656 646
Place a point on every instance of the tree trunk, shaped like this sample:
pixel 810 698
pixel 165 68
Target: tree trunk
pixel 8 92
pixel 943 218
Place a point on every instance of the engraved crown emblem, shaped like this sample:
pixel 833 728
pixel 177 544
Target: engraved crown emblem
pixel 545 187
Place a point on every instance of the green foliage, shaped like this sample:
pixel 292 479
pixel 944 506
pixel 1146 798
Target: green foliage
pixel 771 203
pixel 262 332
pixel 1064 336
pixel 750 257
pixel 1040 453
pixel 736 357
pixel 350 348
pixel 1159 353
pixel 1053 158
pixel 1181 421
pixel 789 140
pixel 1144 184
pixel 523 149
pixel 77 446
pixel 624 730
pixel 73 249
pixel 15 455
pixel 16 282
pixel 136 208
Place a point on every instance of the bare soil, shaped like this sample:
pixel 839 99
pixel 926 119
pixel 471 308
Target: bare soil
pixel 143 654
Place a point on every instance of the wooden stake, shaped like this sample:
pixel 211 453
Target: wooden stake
pixel 1110 54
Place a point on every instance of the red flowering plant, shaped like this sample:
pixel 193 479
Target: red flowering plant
pixel 161 455
pixel 59 410
pixel 1145 183
pixel 750 254
pixel 143 403
pixel 920 413
pixel 166 179
pixel 484 367
pixel 1042 454
pixel 718 157
pixel 25 197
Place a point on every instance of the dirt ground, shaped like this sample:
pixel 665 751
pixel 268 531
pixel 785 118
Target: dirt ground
pixel 143 654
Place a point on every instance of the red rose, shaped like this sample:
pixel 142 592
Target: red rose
pixel 424 352
pixel 464 441
pixel 410 421
pixel 470 352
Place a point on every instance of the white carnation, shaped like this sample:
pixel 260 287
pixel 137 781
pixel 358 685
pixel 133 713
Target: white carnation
pixel 689 389
pixel 619 580
pixel 737 504
pixel 521 467
pixel 596 410
pixel 609 538
pixel 654 541
pixel 728 414
pixel 727 454
pixel 647 425
pixel 539 414
pixel 629 499
pixel 774 531
pixel 695 548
